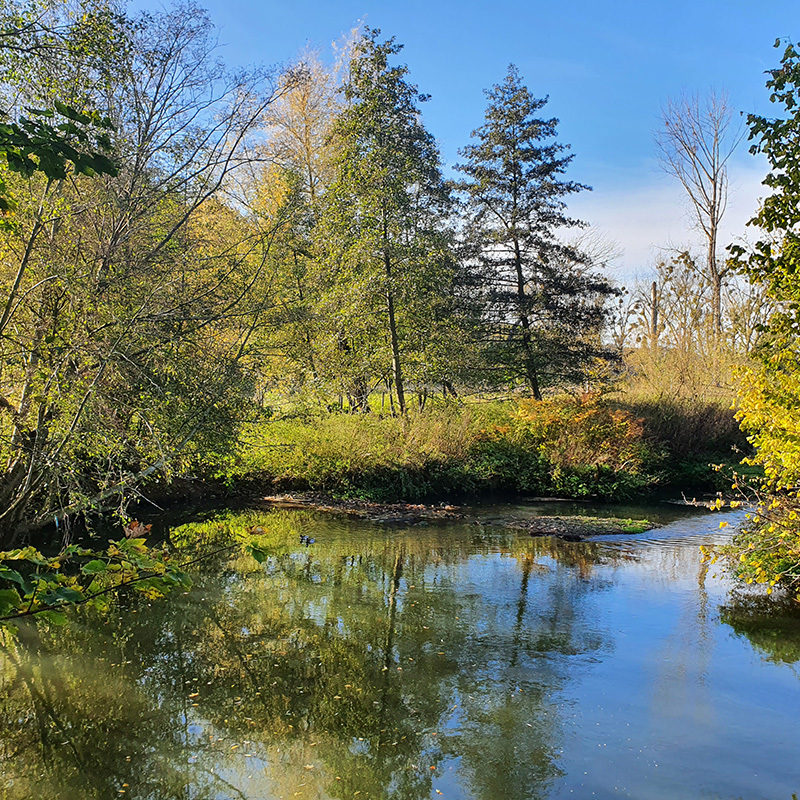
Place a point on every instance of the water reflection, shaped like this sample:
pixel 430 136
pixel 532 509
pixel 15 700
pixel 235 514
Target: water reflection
pixel 377 663
pixel 771 626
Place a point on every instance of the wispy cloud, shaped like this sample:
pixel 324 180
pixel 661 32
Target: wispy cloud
pixel 649 218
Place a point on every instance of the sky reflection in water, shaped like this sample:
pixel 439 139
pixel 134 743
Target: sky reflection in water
pixel 459 661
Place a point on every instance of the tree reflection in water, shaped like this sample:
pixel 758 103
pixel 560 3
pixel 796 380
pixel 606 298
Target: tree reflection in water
pixel 771 625
pixel 384 662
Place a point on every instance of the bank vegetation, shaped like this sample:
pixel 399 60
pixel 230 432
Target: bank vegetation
pixel 264 279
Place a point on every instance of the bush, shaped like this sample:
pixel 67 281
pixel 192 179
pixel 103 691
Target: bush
pixel 687 438
pixel 571 447
pixel 767 550
pixel 584 431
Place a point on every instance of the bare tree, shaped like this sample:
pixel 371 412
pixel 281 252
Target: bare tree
pixel 695 142
pixel 624 320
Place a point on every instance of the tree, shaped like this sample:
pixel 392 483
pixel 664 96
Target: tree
pixel 300 124
pixel 670 317
pixel 544 304
pixel 383 229
pixel 695 143
pixel 674 332
pixel 769 396
pixel 282 192
pixel 131 299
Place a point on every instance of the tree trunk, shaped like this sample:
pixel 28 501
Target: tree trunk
pixel 716 285
pixel 527 343
pixel 397 369
pixel 654 316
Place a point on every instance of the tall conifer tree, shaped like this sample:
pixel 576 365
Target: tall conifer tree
pixel 544 304
pixel 382 226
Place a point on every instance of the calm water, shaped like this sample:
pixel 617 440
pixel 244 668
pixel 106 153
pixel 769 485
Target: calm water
pixel 457 662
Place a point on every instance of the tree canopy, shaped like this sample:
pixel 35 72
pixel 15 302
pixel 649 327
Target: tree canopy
pixel 544 304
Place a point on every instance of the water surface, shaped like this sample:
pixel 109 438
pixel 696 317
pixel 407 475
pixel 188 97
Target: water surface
pixel 461 661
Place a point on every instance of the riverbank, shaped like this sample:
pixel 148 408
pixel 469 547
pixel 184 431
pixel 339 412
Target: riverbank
pixel 586 448
pixel 582 447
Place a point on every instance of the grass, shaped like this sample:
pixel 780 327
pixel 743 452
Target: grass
pixel 569 446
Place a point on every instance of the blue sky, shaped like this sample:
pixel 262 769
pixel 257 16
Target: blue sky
pixel 606 67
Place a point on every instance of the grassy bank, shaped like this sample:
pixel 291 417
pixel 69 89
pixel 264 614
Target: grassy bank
pixel 688 436
pixel 569 446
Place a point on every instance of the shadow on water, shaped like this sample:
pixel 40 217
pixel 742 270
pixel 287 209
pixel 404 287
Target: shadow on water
pixel 376 663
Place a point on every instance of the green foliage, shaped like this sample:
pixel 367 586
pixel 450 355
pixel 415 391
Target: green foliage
pixel 34 584
pixel 146 317
pixel 543 306
pixel 767 550
pixel 774 261
pixel 769 395
pixel 360 455
pixel 688 438
pixel 68 134
pixel 569 446
pixel 37 145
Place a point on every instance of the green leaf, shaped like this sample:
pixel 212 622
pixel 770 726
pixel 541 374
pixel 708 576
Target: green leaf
pixel 129 545
pixel 94 567
pixel 11 575
pixel 9 601
pixel 40 112
pixel 25 554
pixel 62 594
pixel 257 553
pixel 71 113
pixel 176 578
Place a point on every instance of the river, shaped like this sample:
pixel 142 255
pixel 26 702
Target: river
pixel 455 661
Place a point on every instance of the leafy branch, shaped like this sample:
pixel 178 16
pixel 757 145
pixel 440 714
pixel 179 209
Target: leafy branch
pixel 43 585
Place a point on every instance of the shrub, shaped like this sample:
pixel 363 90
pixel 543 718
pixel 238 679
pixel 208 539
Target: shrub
pixel 574 447
pixel 584 432
pixel 767 550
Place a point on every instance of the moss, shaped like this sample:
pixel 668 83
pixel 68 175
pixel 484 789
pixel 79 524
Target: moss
pixel 637 525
